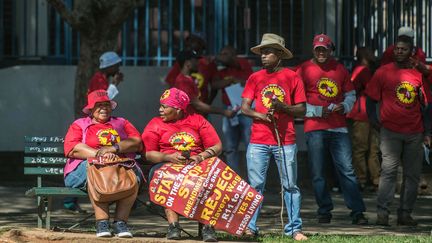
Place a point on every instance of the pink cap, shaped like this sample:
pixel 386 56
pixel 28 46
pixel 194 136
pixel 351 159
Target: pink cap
pixel 175 98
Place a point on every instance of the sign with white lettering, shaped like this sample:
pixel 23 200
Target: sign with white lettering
pixel 210 192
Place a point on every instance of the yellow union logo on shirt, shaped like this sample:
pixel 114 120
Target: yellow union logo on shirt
pixel 406 93
pixel 108 137
pixel 199 79
pixel 327 88
pixel 270 91
pixel 182 141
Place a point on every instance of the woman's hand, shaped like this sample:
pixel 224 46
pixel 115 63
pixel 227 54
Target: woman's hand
pixel 176 158
pixel 105 149
pixel 196 159
pixel 110 157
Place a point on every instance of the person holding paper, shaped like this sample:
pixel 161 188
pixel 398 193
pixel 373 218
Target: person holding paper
pixel 109 63
pixel 179 137
pixel 231 78
pixel 188 61
pixel 330 96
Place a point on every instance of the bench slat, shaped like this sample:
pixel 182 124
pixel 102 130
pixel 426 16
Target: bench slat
pixel 55 191
pixel 43 170
pixel 43 150
pixel 45 160
pixel 43 139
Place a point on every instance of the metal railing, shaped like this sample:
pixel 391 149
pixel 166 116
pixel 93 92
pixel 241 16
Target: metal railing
pixel 155 31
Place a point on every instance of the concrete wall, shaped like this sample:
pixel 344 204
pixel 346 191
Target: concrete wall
pixel 38 100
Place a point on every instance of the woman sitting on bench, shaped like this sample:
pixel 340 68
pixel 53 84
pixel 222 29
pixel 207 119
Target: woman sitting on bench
pixel 178 137
pixel 101 135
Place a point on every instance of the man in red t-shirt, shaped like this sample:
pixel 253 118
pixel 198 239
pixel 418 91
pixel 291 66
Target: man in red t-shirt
pixel 402 93
pixel 188 61
pixel 418 53
pixel 205 72
pixel 232 76
pixel 279 96
pixel 109 68
pixel 330 95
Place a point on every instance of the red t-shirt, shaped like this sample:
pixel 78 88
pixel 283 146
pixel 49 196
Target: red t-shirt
pixel 261 87
pixel 188 85
pixel 324 85
pixel 361 75
pixel 98 81
pixel 398 90
pixel 98 135
pixel 193 133
pixel 243 72
pixel 206 71
pixel 388 55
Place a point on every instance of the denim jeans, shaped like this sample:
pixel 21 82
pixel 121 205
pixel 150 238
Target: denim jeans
pixel 258 160
pixel 232 136
pixel 397 149
pixel 339 146
pixel 76 179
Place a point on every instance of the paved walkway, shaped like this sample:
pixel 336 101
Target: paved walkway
pixel 18 212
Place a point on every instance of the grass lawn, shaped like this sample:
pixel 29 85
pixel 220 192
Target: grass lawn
pixel 350 238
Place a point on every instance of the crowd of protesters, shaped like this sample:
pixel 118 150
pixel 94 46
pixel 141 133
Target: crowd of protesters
pixel 370 121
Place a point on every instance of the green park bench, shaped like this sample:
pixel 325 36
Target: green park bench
pixel 43 157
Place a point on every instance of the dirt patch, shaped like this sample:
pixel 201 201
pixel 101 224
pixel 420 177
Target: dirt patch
pixel 34 235
pixel 21 235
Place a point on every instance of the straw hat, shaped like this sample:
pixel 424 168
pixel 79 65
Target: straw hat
pixel 273 41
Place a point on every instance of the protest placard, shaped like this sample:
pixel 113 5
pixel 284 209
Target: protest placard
pixel 210 192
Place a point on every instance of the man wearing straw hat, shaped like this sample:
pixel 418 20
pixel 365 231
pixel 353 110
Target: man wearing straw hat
pixel 279 96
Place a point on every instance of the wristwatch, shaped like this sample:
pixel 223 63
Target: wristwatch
pixel 117 147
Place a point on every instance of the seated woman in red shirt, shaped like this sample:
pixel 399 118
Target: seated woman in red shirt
pixel 173 137
pixel 101 135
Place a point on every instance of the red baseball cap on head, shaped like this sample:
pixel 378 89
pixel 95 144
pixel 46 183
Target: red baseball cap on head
pixel 96 96
pixel 322 40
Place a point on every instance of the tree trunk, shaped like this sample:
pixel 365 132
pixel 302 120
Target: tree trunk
pixel 98 22
pixel 90 50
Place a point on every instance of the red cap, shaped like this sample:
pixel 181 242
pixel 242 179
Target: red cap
pixel 322 40
pixel 96 96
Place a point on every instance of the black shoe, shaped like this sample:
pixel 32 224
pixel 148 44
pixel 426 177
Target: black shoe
pixel 121 230
pixel 383 220
pixel 103 229
pixel 208 234
pixel 360 219
pixel 406 220
pixel 174 231
pixel 324 218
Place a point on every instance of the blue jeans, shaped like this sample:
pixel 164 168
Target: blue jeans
pixel 339 146
pixel 258 160
pixel 232 136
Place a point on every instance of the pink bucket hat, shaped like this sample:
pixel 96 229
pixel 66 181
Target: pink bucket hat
pixel 96 96
pixel 175 98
